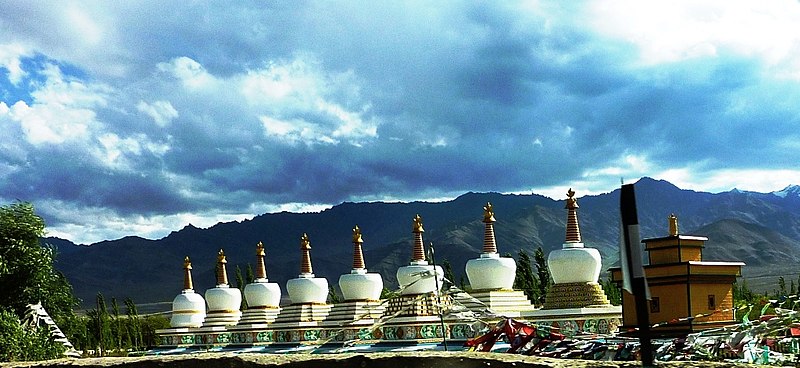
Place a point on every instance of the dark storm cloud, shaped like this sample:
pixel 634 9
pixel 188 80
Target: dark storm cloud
pixel 228 108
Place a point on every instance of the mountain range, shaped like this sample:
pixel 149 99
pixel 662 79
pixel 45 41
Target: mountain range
pixel 761 229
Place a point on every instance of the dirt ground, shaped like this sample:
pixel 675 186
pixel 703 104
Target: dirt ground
pixel 370 360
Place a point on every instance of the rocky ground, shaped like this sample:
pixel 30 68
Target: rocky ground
pixel 372 360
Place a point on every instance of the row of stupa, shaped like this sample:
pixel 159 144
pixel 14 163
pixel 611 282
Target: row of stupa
pixel 575 302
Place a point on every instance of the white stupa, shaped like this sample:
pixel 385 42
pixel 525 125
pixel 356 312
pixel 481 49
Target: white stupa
pixel 307 288
pixel 223 301
pixel 263 297
pixel 491 277
pixel 418 276
pixel 361 291
pixel 359 284
pixel 309 295
pixel 490 271
pixel 188 307
pixel 574 268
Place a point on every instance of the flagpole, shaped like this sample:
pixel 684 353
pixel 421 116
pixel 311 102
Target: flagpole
pixel 636 277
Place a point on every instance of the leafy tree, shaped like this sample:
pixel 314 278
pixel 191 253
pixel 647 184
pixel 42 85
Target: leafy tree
pixel 100 326
pixel 149 326
pixel 542 273
pixel 525 280
pixel 333 298
pixel 612 291
pixel 240 285
pixel 387 293
pixel 27 274
pixel 781 286
pixel 21 343
pixel 134 323
pixel 448 272
pixel 249 276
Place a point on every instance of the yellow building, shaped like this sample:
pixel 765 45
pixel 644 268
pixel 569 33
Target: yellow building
pixel 682 285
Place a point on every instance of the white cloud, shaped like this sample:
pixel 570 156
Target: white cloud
pixel 290 91
pixel 162 112
pixel 669 31
pixel 714 181
pixel 10 55
pixel 62 109
pixel 190 72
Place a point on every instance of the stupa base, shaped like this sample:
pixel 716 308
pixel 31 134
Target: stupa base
pixel 354 313
pixel 291 315
pixel 506 303
pixel 258 316
pixel 571 321
pixel 575 295
pixel 417 305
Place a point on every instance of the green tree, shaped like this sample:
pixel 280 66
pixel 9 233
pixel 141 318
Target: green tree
pixel 27 274
pixel 542 273
pixel 781 286
pixel 249 276
pixel 612 291
pixel 525 279
pixel 447 268
pixel 117 331
pixel 150 324
pixel 100 326
pixel 240 285
pixel 134 323
pixel 333 298
pixel 18 342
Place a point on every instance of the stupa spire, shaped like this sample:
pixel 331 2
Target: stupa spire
pixel 222 274
pixel 489 243
pixel 573 231
pixel 261 268
pixel 418 253
pixel 673 225
pixel 358 255
pixel 305 261
pixel 187 274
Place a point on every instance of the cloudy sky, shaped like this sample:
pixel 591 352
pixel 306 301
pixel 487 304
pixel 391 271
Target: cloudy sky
pixel 137 118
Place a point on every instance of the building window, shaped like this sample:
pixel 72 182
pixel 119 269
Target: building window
pixel 712 302
pixel 655 306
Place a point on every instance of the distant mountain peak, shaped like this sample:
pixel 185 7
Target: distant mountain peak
pixel 791 190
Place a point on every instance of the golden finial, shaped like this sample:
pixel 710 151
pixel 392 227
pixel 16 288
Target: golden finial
pixel 358 255
pixel 571 201
pixel 357 235
pixel 221 257
pixel 573 230
pixel 222 274
pixel 673 225
pixel 261 269
pixel 305 259
pixel 488 213
pixel 187 274
pixel 417 227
